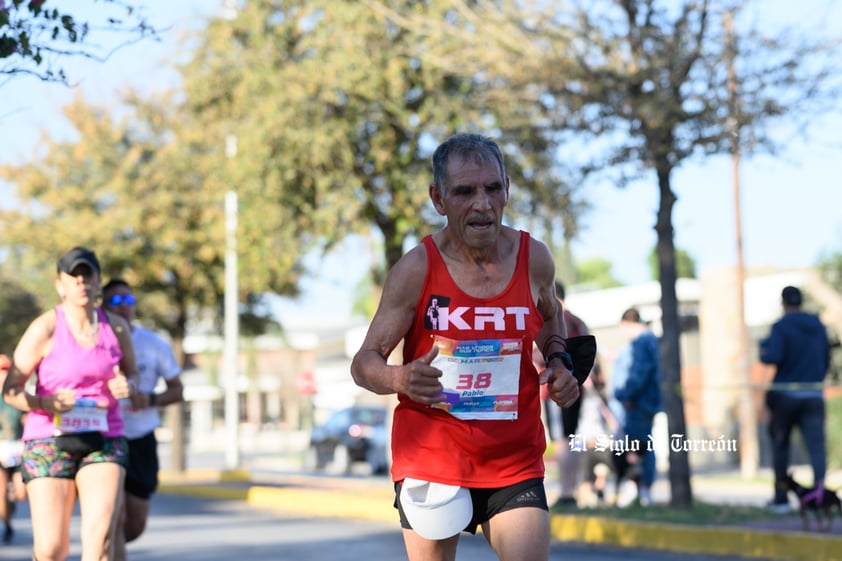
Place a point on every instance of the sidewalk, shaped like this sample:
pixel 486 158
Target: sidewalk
pixel 275 482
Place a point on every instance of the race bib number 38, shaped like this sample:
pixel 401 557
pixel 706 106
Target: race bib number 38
pixel 480 378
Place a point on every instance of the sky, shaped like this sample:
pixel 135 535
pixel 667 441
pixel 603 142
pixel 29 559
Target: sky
pixel 791 204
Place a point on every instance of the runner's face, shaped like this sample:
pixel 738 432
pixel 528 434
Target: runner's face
pixel 79 287
pixel 475 195
pixel 121 308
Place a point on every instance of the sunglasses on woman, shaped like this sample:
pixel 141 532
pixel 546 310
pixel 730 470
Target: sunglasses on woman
pixel 117 299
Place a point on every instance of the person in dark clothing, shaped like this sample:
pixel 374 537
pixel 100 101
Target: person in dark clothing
pixel 799 349
pixel 635 395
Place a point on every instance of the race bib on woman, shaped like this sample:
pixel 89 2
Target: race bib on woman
pixel 84 417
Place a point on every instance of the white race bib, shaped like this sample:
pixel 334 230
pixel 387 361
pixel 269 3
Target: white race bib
pixel 84 417
pixel 481 378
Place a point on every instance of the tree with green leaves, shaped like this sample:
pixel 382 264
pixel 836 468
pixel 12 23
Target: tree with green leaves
pixel 18 307
pixel 37 36
pixel 324 139
pixel 339 147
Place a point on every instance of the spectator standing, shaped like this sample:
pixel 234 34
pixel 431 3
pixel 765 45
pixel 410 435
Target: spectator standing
pixel 799 349
pixel 155 361
pixel 635 395
pixel 596 424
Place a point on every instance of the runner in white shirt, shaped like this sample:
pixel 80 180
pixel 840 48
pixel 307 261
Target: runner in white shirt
pixel 155 360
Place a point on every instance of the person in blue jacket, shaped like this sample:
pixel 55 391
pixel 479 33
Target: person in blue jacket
pixel 798 347
pixel 635 395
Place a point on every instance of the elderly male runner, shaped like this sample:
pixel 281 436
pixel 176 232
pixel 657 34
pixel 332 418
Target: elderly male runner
pixel 467 437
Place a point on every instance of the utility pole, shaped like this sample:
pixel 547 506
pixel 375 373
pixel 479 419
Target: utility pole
pixel 232 325
pixel 748 419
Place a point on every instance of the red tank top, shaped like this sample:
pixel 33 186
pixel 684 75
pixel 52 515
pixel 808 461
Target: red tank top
pixel 432 445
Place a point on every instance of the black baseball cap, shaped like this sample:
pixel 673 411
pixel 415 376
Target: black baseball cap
pixel 79 255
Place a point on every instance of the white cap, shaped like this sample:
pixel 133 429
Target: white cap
pixel 436 511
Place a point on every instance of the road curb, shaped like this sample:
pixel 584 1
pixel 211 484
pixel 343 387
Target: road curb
pixel 370 505
pixel 715 540
pixel 377 504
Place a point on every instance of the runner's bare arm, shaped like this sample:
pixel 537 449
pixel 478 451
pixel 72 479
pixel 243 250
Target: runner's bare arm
pixel 542 277
pixel 394 316
pixel 562 386
pixel 122 331
pixel 125 380
pixel 32 347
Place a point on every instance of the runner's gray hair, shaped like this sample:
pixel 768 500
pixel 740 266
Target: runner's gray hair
pixel 464 146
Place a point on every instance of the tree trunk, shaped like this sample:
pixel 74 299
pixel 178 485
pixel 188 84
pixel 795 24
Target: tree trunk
pixel 679 467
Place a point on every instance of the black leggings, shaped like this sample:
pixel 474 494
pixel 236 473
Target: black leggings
pixel 787 412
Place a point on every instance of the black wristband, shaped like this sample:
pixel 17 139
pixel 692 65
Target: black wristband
pixel 565 357
pixel 153 398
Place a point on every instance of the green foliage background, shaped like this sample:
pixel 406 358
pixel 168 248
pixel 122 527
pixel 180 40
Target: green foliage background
pixel 18 307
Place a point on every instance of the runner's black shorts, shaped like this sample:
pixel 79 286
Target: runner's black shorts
pixel 142 472
pixel 488 502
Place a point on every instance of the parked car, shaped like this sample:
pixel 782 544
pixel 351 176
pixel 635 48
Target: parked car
pixel 349 436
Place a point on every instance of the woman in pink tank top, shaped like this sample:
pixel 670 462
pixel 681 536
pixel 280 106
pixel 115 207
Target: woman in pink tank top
pixel 73 437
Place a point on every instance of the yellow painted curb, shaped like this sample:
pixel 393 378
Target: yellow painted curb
pixel 785 546
pixel 239 475
pixel 377 504
pixel 205 491
pixel 370 505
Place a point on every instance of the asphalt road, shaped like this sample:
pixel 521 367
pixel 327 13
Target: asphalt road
pixel 190 529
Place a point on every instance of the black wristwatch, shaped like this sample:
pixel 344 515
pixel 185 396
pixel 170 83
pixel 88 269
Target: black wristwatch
pixel 565 357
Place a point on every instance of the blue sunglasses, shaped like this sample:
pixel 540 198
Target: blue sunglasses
pixel 117 299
